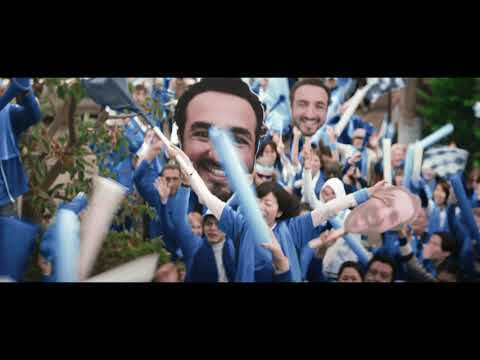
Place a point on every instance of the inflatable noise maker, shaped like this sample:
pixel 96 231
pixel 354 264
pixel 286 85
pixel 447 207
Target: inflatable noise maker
pixel 104 203
pixel 139 270
pixel 389 209
pixel 413 160
pixel 387 160
pixel 274 120
pixel 237 176
pixel 353 104
pixel 17 87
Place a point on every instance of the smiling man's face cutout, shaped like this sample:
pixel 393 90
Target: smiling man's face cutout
pixel 386 211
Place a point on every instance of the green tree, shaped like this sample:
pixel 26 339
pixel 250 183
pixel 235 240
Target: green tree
pixel 451 100
pixel 57 157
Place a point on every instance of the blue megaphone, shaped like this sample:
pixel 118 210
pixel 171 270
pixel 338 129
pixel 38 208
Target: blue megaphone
pixel 17 87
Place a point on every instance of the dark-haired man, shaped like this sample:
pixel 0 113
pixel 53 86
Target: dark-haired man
pixel 380 269
pixel 146 180
pixel 225 103
pixel 441 248
pixel 309 99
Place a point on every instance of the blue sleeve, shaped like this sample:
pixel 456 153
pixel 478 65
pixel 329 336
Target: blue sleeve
pixel 46 245
pixel 232 224
pixel 233 202
pixel 306 256
pixel 283 277
pixel 168 229
pixel 390 245
pixel 466 255
pixel 361 196
pixel 77 205
pixel 452 220
pixel 187 240
pixel 302 230
pixel 144 177
pixel 24 115
pixel 460 231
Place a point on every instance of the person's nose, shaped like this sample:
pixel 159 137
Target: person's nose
pixel 261 206
pixel 212 154
pixel 310 112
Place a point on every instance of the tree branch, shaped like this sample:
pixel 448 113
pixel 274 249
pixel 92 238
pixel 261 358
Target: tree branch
pixel 72 106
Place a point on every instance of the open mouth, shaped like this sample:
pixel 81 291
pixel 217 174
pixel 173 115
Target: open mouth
pixel 213 168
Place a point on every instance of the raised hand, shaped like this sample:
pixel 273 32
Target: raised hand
pixel 307 157
pixel 296 132
pixel 406 232
pixel 152 146
pixel 277 139
pixel 379 186
pixel 326 240
pixel 355 158
pixel 280 261
pixel 163 190
pixel 350 175
pixel 376 192
pixel 182 159
pixel 374 140
pixel 331 135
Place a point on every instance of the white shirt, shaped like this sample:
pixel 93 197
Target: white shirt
pixel 218 253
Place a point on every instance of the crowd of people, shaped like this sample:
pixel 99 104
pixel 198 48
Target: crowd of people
pixel 307 177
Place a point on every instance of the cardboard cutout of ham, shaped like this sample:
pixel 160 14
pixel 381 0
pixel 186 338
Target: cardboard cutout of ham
pixel 389 209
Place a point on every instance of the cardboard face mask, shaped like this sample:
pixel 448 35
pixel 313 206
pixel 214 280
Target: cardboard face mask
pixel 387 210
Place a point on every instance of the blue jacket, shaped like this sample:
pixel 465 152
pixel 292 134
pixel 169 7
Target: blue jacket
pixel 254 262
pixel 197 252
pixel 391 248
pixel 14 120
pixel 144 177
pixel 466 256
pixel 312 268
pixel 434 221
pixel 17 241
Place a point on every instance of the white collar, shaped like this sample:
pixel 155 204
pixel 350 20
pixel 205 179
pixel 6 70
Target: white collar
pixel 219 245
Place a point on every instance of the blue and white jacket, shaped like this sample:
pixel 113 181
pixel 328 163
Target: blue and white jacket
pixel 14 120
